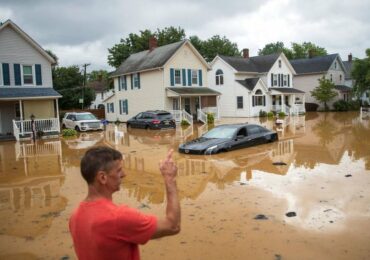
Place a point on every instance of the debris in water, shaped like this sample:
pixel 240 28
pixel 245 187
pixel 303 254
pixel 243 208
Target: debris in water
pixel 348 175
pixel 143 205
pixel 277 257
pixel 279 163
pixel 291 214
pixel 260 217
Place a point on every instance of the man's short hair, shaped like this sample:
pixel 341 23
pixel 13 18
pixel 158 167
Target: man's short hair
pixel 98 159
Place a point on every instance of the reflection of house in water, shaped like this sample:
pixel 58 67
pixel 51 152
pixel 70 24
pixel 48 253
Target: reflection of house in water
pixel 30 181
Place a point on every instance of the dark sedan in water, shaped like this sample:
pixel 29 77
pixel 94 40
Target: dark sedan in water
pixel 225 138
pixel 154 119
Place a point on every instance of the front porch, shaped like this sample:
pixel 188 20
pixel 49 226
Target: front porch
pixel 193 103
pixel 288 100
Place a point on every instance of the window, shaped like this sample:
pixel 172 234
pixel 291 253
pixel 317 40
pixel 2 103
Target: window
pixel 279 63
pixel 285 80
pixel 177 77
pixel 253 129
pixel 123 106
pixel 123 83
pixel 27 71
pixel 335 65
pixel 194 77
pixel 219 77
pixel 258 99
pixel 136 80
pixel 239 102
pixel 331 77
pixel 175 104
pixel 112 107
pixel 275 81
pixel 340 77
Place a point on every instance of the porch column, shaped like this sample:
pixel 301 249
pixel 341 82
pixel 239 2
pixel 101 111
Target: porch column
pixel 282 102
pixel 218 109
pixel 200 102
pixel 21 114
pixel 57 105
pixel 180 104
pixel 304 102
pixel 293 104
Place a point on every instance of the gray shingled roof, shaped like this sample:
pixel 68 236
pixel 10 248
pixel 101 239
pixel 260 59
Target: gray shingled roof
pixel 287 90
pixel 348 66
pixel 201 91
pixel 313 65
pixel 248 83
pixel 146 60
pixel 18 92
pixel 343 88
pixel 259 64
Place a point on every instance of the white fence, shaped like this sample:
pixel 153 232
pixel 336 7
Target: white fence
pixel 22 127
pixel 201 116
pixel 180 115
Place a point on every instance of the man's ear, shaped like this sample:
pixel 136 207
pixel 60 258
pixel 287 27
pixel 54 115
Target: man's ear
pixel 101 177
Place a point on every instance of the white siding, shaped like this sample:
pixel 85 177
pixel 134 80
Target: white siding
pixel 285 70
pixel 15 49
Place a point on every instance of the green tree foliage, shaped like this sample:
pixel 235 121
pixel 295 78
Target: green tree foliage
pixel 324 92
pixel 55 57
pixel 68 82
pixel 297 51
pixel 361 74
pixel 139 42
pixel 215 45
pixel 101 76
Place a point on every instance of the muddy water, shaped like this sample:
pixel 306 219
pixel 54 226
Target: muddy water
pixel 234 205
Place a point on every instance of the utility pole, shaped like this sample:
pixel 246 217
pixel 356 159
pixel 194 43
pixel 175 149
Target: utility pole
pixel 83 88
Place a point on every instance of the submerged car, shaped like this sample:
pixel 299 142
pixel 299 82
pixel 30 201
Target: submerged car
pixel 156 119
pixel 225 138
pixel 81 121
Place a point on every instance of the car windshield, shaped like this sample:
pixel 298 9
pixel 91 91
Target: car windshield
pixel 85 117
pixel 221 132
pixel 164 116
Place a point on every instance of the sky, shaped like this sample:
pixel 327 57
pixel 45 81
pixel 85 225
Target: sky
pixel 81 31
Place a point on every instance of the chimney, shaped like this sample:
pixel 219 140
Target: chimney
pixel 350 57
pixel 152 43
pixel 246 53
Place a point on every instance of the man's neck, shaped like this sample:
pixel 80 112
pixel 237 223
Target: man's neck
pixel 95 193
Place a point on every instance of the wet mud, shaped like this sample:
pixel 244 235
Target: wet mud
pixel 303 197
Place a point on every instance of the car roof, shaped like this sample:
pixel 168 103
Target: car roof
pixel 77 113
pixel 157 111
pixel 238 125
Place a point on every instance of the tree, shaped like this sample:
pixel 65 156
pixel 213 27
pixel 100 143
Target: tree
pixel 55 57
pixel 297 51
pixel 324 92
pixel 361 74
pixel 101 76
pixel 210 48
pixel 135 43
pixel 68 82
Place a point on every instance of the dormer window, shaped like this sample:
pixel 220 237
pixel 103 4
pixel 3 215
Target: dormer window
pixel 219 77
pixel 279 63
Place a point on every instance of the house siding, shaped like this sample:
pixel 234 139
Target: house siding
pixel 41 109
pixel 16 50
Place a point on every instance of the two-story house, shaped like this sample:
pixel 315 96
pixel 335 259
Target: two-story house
pixel 170 77
pixel 310 70
pixel 253 84
pixel 26 86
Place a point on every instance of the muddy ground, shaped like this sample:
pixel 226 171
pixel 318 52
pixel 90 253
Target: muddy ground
pixel 313 204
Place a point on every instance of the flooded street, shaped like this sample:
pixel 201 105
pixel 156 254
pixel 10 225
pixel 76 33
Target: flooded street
pixel 306 196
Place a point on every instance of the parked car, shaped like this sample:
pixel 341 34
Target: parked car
pixel 156 119
pixel 81 121
pixel 225 138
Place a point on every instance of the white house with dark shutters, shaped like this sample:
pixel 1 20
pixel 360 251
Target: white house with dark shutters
pixel 172 77
pixel 251 84
pixel 26 86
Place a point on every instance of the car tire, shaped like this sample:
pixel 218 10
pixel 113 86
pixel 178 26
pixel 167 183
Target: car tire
pixel 77 128
pixel 64 126
pixel 128 126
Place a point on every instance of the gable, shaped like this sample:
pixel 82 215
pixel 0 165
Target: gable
pixel 337 64
pixel 285 68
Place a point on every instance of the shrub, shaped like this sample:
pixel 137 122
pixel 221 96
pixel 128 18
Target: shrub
pixel 210 118
pixel 117 122
pixel 354 105
pixel 263 113
pixel 69 132
pixel 270 114
pixel 40 133
pixel 184 123
pixel 281 114
pixel 341 105
pixel 365 103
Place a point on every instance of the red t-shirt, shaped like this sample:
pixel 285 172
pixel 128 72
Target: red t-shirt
pixel 103 230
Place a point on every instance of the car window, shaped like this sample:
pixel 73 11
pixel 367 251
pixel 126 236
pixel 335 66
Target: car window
pixel 164 116
pixel 262 129
pixel 80 117
pixel 69 117
pixel 139 116
pixel 253 129
pixel 242 132
pixel 220 132
pixel 149 116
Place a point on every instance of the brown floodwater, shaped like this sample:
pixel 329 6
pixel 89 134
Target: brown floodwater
pixel 234 205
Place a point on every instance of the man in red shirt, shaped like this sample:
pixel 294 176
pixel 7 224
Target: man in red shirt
pixel 102 230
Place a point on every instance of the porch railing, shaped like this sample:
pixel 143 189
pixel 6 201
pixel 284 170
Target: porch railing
pixel 44 125
pixel 287 110
pixel 276 108
pixel 201 116
pixel 180 115
pixel 186 116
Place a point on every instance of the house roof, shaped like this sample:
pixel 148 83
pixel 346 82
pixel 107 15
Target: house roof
pixel 195 91
pixel 258 64
pixel 318 64
pixel 25 36
pixel 343 88
pixel 98 86
pixel 249 83
pixel 28 93
pixel 348 66
pixel 287 90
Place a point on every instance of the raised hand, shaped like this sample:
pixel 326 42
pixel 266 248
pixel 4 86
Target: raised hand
pixel 168 167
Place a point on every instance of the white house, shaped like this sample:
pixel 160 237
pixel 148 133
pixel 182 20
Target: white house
pixel 170 77
pixel 251 84
pixel 101 93
pixel 26 86
pixel 310 70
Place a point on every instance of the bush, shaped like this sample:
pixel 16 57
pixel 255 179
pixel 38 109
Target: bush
pixel 270 114
pixel 184 123
pixel 69 132
pixel 117 122
pixel 341 105
pixel 354 105
pixel 263 113
pixel 311 106
pixel 40 133
pixel 365 103
pixel 210 118
pixel 281 114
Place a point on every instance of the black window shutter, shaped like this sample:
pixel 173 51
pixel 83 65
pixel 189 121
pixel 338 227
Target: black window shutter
pixel 253 103
pixel 17 74
pixel 132 81
pixel 38 74
pixel 264 100
pixel 6 77
pixel 288 80
pixel 138 80
pixel 272 79
pixel 119 83
pixel 126 106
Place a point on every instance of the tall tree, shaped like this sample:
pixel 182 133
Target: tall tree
pixel 101 76
pixel 297 51
pixel 54 56
pixel 277 47
pixel 361 74
pixel 324 92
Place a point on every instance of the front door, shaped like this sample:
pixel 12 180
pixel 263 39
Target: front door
pixel 187 105
pixel 287 100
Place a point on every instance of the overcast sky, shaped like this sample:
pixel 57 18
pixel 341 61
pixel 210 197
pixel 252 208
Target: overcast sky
pixel 81 31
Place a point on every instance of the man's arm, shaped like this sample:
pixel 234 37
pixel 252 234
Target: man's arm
pixel 170 225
